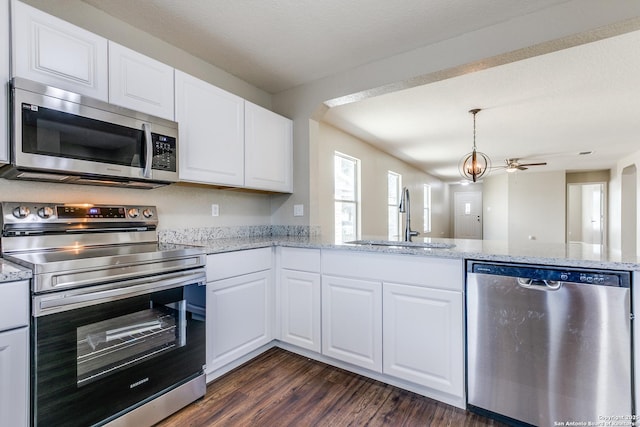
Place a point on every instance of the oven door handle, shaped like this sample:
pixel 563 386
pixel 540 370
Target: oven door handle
pixel 85 297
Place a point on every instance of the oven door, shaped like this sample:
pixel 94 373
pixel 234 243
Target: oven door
pixel 101 351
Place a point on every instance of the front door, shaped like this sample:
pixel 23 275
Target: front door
pixel 468 215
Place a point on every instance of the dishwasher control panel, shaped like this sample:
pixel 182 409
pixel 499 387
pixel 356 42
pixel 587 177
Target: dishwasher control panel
pixel 591 277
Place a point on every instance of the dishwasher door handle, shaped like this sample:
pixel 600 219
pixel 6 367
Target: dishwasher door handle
pixel 538 285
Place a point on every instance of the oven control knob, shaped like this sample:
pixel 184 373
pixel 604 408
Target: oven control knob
pixel 148 213
pixel 45 212
pixel 21 212
pixel 134 212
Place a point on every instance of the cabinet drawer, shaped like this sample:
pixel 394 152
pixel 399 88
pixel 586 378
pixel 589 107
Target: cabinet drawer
pixel 14 304
pixel 300 259
pixel 231 264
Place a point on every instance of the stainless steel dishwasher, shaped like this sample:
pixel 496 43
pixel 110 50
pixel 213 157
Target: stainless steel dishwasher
pixel 546 346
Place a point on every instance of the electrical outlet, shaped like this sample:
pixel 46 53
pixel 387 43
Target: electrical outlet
pixel 298 210
pixel 215 210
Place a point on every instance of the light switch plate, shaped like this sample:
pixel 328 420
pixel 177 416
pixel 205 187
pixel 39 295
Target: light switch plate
pixel 215 210
pixel 298 210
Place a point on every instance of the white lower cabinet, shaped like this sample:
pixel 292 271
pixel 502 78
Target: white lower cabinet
pixel 300 309
pixel 14 353
pixel 299 293
pixel 352 321
pixel 238 313
pixel 14 371
pixel 399 315
pixel 396 318
pixel 423 336
pixel 239 305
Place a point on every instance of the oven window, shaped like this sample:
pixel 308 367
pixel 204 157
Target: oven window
pixel 109 346
pixel 92 362
pixel 55 133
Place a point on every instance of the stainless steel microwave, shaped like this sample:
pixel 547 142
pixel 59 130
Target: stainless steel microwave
pixel 65 137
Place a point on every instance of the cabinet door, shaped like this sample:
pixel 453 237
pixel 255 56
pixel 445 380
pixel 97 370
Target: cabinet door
pixel 423 336
pixel 238 317
pixel 268 150
pixel 300 308
pixel 352 321
pixel 139 82
pixel 4 80
pixel 54 52
pixel 211 130
pixel 14 371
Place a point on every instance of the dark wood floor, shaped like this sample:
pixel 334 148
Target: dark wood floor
pixel 279 388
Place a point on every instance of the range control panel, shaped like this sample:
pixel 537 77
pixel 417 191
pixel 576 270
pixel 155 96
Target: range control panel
pixel 26 218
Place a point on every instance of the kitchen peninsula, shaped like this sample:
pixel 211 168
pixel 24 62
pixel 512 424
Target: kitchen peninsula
pixel 280 286
pixel 302 293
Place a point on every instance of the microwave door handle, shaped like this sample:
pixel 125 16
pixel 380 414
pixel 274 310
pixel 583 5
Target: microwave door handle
pixel 146 128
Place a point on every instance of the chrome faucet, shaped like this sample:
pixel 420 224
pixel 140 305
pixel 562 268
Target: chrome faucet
pixel 405 208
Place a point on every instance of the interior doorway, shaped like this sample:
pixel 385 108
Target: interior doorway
pixel 586 211
pixel 467 215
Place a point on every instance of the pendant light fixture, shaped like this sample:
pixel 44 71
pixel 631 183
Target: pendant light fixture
pixel 476 164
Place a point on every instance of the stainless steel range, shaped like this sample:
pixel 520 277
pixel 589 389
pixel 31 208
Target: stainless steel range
pixel 118 319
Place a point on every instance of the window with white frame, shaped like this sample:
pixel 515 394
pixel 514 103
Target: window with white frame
pixel 427 208
pixel 394 181
pixel 346 196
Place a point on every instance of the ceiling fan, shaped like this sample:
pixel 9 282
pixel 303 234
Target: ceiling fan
pixel 514 165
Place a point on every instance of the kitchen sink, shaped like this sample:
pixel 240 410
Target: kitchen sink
pixel 396 244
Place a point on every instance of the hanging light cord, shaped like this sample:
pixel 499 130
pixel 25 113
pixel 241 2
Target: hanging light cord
pixel 474 112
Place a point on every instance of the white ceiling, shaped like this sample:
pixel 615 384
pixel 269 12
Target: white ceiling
pixel 546 108
pixel 279 44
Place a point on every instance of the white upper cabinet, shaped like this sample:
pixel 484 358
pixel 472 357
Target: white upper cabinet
pixel 268 150
pixel 211 132
pixel 139 82
pixel 54 52
pixel 4 80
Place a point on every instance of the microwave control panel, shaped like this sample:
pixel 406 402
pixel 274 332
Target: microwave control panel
pixel 164 152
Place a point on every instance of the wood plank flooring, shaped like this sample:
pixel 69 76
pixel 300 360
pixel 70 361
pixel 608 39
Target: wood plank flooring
pixel 280 388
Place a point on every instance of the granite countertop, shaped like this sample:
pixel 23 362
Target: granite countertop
pixel 10 272
pixel 570 255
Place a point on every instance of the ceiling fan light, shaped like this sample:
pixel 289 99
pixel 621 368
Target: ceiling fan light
pixel 511 169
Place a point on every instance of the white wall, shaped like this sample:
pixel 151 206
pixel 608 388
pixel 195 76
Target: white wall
pixel 525 206
pixel 616 226
pixel 495 200
pixel 179 206
pixel 374 165
pixel 537 206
